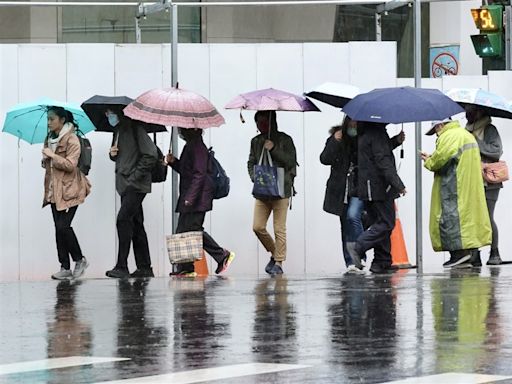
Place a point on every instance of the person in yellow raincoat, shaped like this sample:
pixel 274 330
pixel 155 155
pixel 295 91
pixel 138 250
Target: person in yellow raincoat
pixel 459 220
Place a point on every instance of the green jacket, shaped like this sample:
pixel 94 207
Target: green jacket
pixel 458 211
pixel 283 155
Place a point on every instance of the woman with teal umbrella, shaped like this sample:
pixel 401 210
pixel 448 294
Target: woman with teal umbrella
pixel 65 188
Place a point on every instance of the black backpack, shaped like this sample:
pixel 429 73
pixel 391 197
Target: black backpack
pixel 218 176
pixel 85 159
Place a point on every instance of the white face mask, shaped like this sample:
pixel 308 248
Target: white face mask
pixel 352 132
pixel 113 120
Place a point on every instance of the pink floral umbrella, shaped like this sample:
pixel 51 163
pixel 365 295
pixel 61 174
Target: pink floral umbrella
pixel 174 107
pixel 271 100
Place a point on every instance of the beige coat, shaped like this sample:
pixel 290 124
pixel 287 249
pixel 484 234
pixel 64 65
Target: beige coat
pixel 70 187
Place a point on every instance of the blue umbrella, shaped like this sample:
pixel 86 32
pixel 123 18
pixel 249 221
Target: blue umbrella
pixel 493 104
pixel 401 105
pixel 28 121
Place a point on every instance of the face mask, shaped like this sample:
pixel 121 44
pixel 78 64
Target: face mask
pixel 352 132
pixel 113 120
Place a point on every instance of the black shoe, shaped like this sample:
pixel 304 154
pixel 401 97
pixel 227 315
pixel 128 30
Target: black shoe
pixel 270 265
pixel 494 258
pixel 118 273
pixel 380 268
pixel 224 264
pixel 276 270
pixel 147 272
pixel 475 260
pixel 458 261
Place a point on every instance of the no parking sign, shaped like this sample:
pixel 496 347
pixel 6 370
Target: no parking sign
pixel 444 61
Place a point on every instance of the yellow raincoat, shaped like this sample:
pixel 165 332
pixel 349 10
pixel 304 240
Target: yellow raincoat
pixel 458 211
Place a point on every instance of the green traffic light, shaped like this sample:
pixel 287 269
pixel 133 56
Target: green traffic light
pixel 489 20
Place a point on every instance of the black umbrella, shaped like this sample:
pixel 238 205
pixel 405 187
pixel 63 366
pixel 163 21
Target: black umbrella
pixel 95 108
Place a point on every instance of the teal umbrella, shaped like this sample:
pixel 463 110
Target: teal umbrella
pixel 28 121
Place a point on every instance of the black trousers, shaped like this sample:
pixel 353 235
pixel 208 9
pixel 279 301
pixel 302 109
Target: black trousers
pixel 193 221
pixel 381 215
pixel 491 197
pixel 67 243
pixel 130 228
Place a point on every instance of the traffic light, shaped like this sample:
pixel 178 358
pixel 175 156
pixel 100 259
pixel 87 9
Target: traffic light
pixel 489 20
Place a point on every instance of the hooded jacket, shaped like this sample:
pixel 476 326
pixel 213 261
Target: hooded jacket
pixel 459 218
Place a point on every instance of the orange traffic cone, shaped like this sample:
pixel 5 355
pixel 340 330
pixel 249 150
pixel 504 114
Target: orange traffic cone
pixel 201 266
pixel 398 250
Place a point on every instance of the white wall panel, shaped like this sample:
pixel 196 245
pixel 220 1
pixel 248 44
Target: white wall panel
pixel 90 69
pixel 38 255
pixel 232 216
pixel 373 64
pixel 9 202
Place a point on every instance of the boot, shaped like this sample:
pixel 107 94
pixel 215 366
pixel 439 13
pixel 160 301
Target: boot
pixel 494 258
pixel 475 260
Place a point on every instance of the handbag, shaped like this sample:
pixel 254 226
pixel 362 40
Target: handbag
pixel 185 247
pixel 495 173
pixel 268 179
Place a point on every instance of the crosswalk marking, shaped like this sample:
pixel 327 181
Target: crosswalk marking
pixel 208 374
pixel 451 378
pixel 64 362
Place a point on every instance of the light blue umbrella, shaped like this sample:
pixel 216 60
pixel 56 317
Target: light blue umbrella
pixel 493 104
pixel 28 121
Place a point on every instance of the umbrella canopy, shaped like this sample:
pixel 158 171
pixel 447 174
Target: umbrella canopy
pixel 335 94
pixel 174 107
pixel 271 100
pixel 401 105
pixel 493 104
pixel 28 121
pixel 95 108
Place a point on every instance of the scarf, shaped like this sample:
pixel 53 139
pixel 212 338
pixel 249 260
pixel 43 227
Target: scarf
pixel 478 127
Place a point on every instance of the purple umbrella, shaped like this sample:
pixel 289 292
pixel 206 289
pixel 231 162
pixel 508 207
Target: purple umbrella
pixel 271 100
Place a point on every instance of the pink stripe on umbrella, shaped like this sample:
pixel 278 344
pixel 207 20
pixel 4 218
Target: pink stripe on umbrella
pixel 174 107
pixel 271 100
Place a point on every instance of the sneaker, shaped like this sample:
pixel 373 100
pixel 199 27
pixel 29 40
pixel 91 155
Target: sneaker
pixel 224 265
pixel 356 258
pixel 183 274
pixel 352 269
pixel 146 272
pixel 270 265
pixel 63 274
pixel 276 270
pixel 363 263
pixel 457 260
pixel 118 273
pixel 80 267
pixel 494 258
pixel 378 268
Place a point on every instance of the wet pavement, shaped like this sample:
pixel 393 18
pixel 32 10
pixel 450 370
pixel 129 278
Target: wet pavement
pixel 335 329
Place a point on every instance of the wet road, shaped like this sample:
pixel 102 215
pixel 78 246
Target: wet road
pixel 337 329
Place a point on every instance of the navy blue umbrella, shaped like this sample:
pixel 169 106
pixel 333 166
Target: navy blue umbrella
pixel 401 105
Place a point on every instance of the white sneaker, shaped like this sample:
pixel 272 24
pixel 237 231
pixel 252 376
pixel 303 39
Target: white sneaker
pixel 63 274
pixel 363 263
pixel 80 267
pixel 352 269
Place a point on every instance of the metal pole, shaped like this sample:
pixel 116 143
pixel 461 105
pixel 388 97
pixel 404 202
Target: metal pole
pixel 508 37
pixel 378 27
pixel 138 36
pixel 174 131
pixel 419 168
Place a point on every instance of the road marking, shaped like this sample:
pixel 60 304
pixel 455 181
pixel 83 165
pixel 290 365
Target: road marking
pixel 451 378
pixel 209 374
pixel 64 362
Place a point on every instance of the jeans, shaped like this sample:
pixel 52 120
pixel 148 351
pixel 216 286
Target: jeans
pixel 193 221
pixel 351 225
pixel 262 211
pixel 130 228
pixel 67 243
pixel 378 235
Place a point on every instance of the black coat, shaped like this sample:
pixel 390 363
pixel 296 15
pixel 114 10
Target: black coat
pixel 196 186
pixel 337 155
pixel 378 179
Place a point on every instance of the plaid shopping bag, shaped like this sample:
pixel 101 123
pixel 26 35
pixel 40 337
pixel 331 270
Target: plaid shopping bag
pixel 185 247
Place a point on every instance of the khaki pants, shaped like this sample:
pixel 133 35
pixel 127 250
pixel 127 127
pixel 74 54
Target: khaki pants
pixel 262 210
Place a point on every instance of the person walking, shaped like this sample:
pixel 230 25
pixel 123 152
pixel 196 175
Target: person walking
pixel 283 153
pixel 65 188
pixel 135 155
pixel 378 186
pixel 489 142
pixel 459 220
pixel 341 198
pixel 196 198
